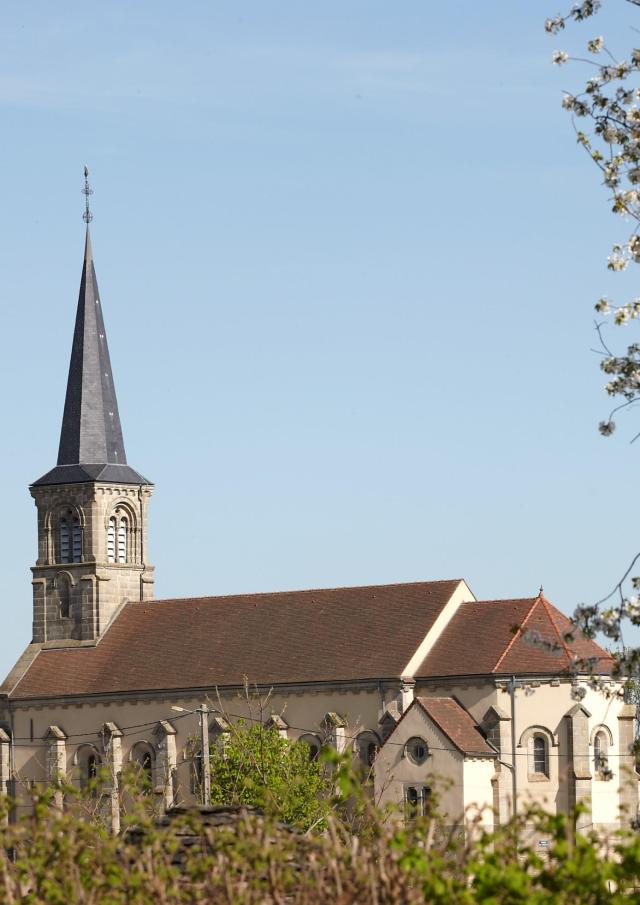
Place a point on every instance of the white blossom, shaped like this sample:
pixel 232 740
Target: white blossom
pixel 616 262
pixel 560 57
pixel 554 25
pixel 596 45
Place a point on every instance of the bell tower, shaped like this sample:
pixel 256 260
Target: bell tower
pixel 92 507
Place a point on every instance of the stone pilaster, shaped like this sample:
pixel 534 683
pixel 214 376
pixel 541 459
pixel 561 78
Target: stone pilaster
pixel 497 727
pixel 627 776
pixel 55 740
pixel 579 773
pixel 335 731
pixel 166 761
pixel 112 747
pixel 5 768
pixel 276 722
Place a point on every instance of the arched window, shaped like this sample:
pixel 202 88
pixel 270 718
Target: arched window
pixel 540 756
pixel 366 747
pixel 64 541
pixel 118 538
pixel 76 540
pixel 92 767
pixel 111 540
pixel 142 755
pixel 313 743
pixel 600 755
pixel 64 595
pixel 88 762
pixel 123 538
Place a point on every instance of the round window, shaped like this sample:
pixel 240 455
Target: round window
pixel 416 750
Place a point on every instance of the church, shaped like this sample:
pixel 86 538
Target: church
pixel 418 680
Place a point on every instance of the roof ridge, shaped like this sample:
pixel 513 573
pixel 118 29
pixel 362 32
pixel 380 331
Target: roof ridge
pixel 546 604
pixel 357 587
pixel 505 600
pixel 516 634
pixel 424 701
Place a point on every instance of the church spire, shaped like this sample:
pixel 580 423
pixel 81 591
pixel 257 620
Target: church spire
pixel 91 435
pixel 91 432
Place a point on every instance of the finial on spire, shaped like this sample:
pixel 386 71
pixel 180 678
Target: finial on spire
pixel 86 191
pixel 541 592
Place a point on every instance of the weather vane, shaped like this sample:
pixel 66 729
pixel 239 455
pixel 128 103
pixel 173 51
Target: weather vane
pixel 86 191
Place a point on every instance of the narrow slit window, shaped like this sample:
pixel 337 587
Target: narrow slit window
pixel 122 540
pixel 76 537
pixel 600 752
pixel 111 540
pixel 540 760
pixel 64 540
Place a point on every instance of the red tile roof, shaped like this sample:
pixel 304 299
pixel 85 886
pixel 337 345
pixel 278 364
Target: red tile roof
pixel 510 636
pixel 338 634
pixel 456 723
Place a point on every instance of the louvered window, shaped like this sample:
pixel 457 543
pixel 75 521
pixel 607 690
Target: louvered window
pixel 64 540
pixel 111 540
pixel 122 540
pixel 76 538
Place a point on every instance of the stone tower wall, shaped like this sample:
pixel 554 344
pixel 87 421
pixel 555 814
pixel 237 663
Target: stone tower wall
pixel 76 601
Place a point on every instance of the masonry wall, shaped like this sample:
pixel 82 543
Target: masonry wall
pixel 443 770
pixel 76 601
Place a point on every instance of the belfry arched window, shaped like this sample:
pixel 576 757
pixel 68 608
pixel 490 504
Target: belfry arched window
pixel 76 540
pixel 64 541
pixel 111 540
pixel 70 538
pixel 123 539
pixel 118 538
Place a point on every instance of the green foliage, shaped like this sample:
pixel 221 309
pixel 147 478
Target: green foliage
pixel 255 766
pixel 62 859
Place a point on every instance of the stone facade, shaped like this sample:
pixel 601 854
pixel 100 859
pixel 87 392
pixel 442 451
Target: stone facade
pixel 76 601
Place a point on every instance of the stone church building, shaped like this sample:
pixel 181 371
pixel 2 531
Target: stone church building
pixel 418 680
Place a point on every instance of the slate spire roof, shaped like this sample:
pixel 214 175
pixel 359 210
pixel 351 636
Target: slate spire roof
pixel 91 444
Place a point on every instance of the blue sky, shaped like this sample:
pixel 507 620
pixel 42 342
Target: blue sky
pixel 347 254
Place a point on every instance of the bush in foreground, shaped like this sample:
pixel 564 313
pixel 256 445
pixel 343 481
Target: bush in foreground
pixel 54 859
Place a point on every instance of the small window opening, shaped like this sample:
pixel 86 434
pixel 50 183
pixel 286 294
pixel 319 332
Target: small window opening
pixel 313 744
pixel 64 540
pixel 76 537
pixel 111 540
pixel 122 540
pixel 147 764
pixel 600 755
pixel 92 766
pixel 540 757
pixel 64 595
pixel 417 801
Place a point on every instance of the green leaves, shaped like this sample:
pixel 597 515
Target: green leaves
pixel 256 766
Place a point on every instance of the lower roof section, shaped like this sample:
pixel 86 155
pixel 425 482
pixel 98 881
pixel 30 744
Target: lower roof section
pixel 82 474
pixel 501 637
